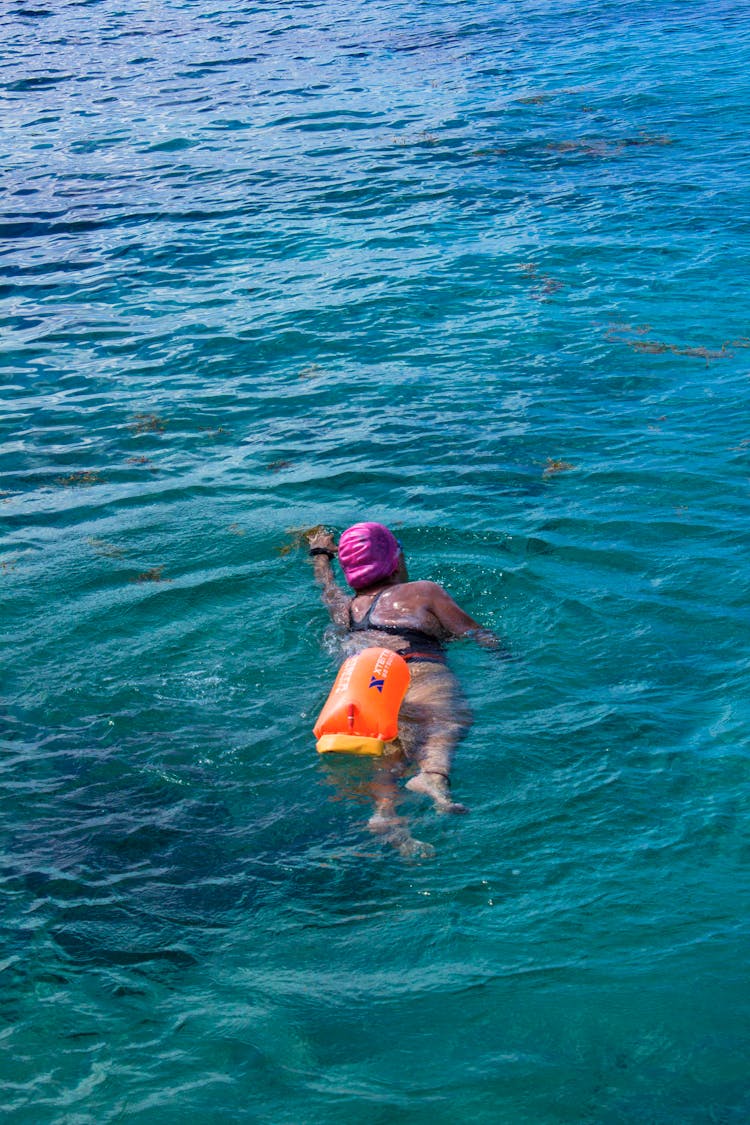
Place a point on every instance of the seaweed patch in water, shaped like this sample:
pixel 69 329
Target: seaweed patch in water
pixel 585 148
pixel 648 347
pixel 555 466
pixel 546 284
pixel 79 480
pixel 299 538
pixel 418 139
pixel 619 330
pixel 105 549
pixel 152 575
pixel 624 333
pixel 603 148
pixel 703 353
pixel 647 139
pixel 148 424
pixel 276 466
pixel 236 529
pixel 213 431
pixel 549 285
pixel 145 461
pixel 311 371
pixel 658 347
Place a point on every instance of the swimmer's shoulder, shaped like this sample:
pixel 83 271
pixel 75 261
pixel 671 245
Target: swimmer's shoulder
pixel 427 586
pixel 424 590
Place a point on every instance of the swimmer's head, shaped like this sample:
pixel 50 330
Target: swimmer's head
pixel 368 553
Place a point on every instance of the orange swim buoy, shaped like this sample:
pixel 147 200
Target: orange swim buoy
pixel 361 713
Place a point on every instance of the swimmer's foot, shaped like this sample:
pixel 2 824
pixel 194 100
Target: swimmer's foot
pixel 383 824
pixel 437 786
pixel 414 849
pixel 392 830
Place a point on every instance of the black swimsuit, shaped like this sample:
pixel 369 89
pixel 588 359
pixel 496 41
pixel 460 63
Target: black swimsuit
pixel 423 648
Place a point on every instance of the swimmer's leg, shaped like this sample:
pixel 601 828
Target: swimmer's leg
pixel 386 823
pixel 384 795
pixel 395 831
pixel 384 816
pixel 438 787
pixel 435 719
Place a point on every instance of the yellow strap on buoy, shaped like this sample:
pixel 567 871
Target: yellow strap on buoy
pixel 350 744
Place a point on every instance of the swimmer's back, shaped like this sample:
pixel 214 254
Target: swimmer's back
pixel 422 606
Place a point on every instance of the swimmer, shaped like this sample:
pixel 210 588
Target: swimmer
pixel 415 619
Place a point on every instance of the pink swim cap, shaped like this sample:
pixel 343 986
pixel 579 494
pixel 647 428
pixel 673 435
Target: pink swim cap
pixel 367 552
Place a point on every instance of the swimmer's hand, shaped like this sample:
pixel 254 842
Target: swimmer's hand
pixel 322 538
pixel 324 545
pixel 489 640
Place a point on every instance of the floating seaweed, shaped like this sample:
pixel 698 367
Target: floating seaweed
pixel 276 466
pixel 148 424
pixel 311 371
pixel 235 529
pixel 648 347
pixel 213 431
pixel 623 333
pixel 703 353
pixel 658 347
pixel 533 99
pixel 547 285
pixel 602 148
pixel 146 462
pixel 585 148
pixel 299 538
pixel 105 549
pixel 616 330
pixel 647 139
pixel 152 575
pixel 419 139
pixel 79 480
pixel 554 466
pixel 7 565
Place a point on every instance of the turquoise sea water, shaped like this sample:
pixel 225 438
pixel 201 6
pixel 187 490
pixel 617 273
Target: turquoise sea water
pixel 478 270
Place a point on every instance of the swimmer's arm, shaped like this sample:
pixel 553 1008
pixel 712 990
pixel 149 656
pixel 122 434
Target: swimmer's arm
pixel 459 624
pixel 334 598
